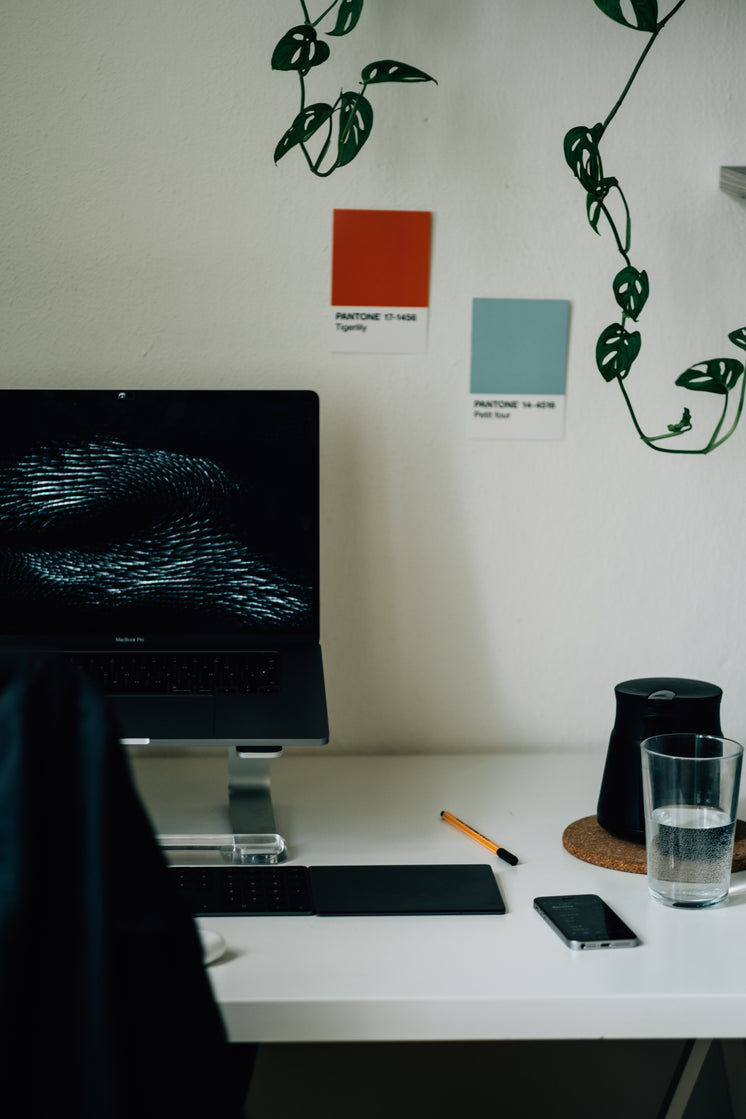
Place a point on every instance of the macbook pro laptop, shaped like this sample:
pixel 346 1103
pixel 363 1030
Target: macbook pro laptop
pixel 168 540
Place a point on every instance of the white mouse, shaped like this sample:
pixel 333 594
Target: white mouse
pixel 213 945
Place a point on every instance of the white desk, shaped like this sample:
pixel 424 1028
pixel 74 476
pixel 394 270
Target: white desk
pixel 461 977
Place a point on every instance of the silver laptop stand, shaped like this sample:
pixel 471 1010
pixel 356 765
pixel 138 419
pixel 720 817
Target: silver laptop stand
pixel 253 839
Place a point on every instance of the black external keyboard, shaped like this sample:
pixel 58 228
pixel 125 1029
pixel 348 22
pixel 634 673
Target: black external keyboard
pixel 156 673
pixel 251 891
pixel 335 891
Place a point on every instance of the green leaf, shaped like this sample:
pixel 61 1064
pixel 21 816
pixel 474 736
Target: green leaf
pixel 583 157
pixel 389 71
pixel 594 209
pixel 300 49
pixel 631 290
pixel 348 14
pixel 303 128
pixel 355 123
pixel 738 337
pixel 684 424
pixel 645 13
pixel 616 349
pixel 718 375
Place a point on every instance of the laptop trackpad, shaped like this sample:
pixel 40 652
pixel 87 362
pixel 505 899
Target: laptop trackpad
pixel 167 717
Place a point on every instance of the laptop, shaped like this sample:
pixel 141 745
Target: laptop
pixel 143 528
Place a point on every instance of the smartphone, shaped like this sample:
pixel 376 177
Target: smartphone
pixel 585 921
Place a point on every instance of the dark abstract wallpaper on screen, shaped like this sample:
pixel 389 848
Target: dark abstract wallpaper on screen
pixel 166 512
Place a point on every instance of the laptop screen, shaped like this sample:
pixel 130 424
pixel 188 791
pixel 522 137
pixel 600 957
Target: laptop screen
pixel 175 517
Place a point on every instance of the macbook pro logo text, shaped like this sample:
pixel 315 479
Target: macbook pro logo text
pixel 129 640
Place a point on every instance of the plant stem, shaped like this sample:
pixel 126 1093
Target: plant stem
pixel 640 61
pixel 670 15
pixel 653 441
pixel 614 230
pixel 325 148
pixel 734 425
pixel 303 147
pixel 351 116
pixel 718 425
pixel 316 22
pixel 631 411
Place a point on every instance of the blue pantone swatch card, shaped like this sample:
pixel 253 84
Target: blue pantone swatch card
pixel 518 368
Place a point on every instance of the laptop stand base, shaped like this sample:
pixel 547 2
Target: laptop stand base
pixel 252 839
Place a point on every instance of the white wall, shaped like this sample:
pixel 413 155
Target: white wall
pixel 476 595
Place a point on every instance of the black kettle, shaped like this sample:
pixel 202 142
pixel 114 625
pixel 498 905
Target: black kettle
pixel 657 705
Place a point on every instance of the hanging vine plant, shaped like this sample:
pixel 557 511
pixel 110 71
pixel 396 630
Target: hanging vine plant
pixel 351 115
pixel 619 346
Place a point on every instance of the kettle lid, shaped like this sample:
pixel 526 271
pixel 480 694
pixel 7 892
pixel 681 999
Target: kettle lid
pixel 666 688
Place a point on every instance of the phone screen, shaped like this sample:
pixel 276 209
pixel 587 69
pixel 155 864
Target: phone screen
pixel 585 921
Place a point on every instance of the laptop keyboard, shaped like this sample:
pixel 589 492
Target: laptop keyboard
pixel 188 674
pixel 254 891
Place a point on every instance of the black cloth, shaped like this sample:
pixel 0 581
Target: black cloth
pixel 106 1011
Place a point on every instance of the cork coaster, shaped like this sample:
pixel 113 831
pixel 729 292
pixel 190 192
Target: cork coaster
pixel 587 840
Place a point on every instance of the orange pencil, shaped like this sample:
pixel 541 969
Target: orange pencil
pixel 495 848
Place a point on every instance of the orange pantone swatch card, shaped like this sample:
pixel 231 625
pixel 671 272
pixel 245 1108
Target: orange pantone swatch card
pixel 380 280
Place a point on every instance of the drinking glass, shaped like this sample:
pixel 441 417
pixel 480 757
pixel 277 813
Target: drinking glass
pixel 690 793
